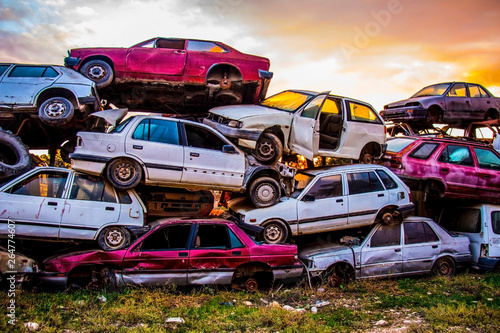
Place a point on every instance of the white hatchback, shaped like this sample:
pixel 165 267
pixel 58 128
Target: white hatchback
pixel 177 153
pixel 331 198
pixel 306 123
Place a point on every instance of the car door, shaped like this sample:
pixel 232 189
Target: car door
pixel 323 206
pixel 456 168
pixel 421 247
pixel 165 57
pixel 480 101
pixel 304 135
pixel 91 204
pixel 458 103
pixel 156 143
pixel 366 197
pixel 208 161
pixel 35 203
pixel 160 258
pixel 215 254
pixel 381 252
pixel 488 173
pixel 22 84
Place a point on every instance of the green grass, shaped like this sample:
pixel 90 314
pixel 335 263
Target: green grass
pixel 465 303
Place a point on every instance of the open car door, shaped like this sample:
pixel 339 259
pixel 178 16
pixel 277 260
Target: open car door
pixel 304 136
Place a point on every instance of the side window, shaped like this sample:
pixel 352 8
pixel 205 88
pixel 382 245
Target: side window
pixel 91 188
pixel 386 235
pixel 464 220
pixel 458 90
pixel 456 155
pixel 234 240
pixel 157 130
pixel 50 72
pixel 483 92
pixel 174 237
pixel 211 236
pixel 204 46
pixel 200 137
pixel 48 184
pixel 27 71
pixel 312 109
pixel 419 232
pixel 3 68
pixel 327 187
pixel 423 151
pixel 360 112
pixel 487 159
pixel 474 91
pixel 176 44
pixel 495 222
pixel 389 183
pixel 363 182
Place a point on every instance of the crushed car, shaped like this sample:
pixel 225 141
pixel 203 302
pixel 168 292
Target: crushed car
pixel 198 70
pixel 175 152
pixel 180 252
pixel 60 204
pixel 16 267
pixel 446 168
pixel 330 198
pixel 448 102
pixel 481 224
pixel 416 246
pixel 298 122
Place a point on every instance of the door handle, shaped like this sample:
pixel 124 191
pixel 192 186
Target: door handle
pixel 340 200
pixel 434 246
pixel 137 147
pixel 180 52
pixel 380 195
pixel 110 208
pixel 486 176
pixel 445 169
pixel 183 254
pixel 236 253
pixel 194 154
pixel 51 203
pixel 397 250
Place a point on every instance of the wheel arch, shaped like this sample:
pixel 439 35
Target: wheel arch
pixel 492 112
pixel 262 272
pixel 343 265
pixel 373 148
pixel 262 171
pixel 216 71
pixel 83 272
pixel 276 130
pixel 141 164
pixel 57 92
pixel 267 221
pixel 96 57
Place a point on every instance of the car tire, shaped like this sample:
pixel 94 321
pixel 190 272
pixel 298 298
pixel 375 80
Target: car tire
pixel 113 238
pixel 444 267
pixel 251 285
pixel 98 71
pixel 275 232
pixel 14 156
pixel 264 192
pixel 124 173
pixel 366 158
pixel 56 111
pixel 268 148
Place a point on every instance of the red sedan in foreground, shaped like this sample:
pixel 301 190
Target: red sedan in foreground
pixel 181 252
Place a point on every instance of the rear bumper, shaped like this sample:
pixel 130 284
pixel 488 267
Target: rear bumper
pixel 290 272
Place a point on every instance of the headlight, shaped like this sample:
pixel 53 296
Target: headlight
pixel 234 123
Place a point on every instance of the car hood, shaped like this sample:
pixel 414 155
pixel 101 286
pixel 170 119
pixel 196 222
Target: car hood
pixel 403 102
pixel 322 248
pixel 240 112
pixel 111 116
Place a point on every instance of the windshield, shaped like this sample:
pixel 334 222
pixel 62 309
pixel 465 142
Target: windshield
pixel 398 144
pixel 434 90
pixel 288 101
pixel 301 181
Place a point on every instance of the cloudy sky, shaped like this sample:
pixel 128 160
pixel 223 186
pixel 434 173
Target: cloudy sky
pixel 378 51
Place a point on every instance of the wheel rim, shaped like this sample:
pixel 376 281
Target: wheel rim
pixel 251 285
pixel 124 172
pixel 367 159
pixel 266 148
pixel 55 109
pixel 265 193
pixel 334 280
pixel 273 233
pixel 444 268
pixel 115 238
pixel 96 72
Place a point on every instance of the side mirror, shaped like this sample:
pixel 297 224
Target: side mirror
pixel 308 197
pixel 228 149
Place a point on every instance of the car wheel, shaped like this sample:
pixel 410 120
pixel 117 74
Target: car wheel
pixel 367 158
pixel 268 148
pixel 56 111
pixel 98 71
pixel 113 238
pixel 103 278
pixel 14 156
pixel 124 173
pixel 251 285
pixel 444 267
pixel 264 192
pixel 275 232
pixel 338 275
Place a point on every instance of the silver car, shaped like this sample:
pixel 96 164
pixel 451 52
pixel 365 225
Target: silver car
pixel 416 246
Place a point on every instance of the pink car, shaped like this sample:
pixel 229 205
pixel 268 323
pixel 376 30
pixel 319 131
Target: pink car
pixel 181 252
pixel 228 73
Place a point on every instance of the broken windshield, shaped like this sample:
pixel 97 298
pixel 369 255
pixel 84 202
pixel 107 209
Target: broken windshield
pixel 288 101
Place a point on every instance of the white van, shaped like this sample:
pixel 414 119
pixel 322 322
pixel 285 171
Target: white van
pixel 481 223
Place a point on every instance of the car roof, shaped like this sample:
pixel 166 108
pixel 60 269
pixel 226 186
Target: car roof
pixel 302 91
pixel 450 139
pixel 31 65
pixel 341 168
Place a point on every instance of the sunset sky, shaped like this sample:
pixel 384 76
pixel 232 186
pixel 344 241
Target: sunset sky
pixel 378 51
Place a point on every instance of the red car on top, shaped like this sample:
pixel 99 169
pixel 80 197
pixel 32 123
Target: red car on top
pixel 175 61
pixel 180 252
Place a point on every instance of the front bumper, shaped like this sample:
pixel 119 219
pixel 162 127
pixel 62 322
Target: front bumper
pixel 403 113
pixel 232 132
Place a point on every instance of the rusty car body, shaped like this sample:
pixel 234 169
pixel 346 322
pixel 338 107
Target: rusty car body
pixel 15 267
pixel 177 65
pixel 448 102
pixel 180 252
pixel 303 122
pixel 58 204
pixel 481 224
pixel 446 167
pixel 328 199
pixel 416 246
pixel 176 152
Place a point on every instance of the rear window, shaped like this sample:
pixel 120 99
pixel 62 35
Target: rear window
pixel 495 222
pixel 424 151
pixel 462 220
pixel 398 144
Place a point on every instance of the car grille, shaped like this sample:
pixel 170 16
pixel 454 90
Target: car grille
pixel 218 119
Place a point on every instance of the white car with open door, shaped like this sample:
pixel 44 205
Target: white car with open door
pixel 297 122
